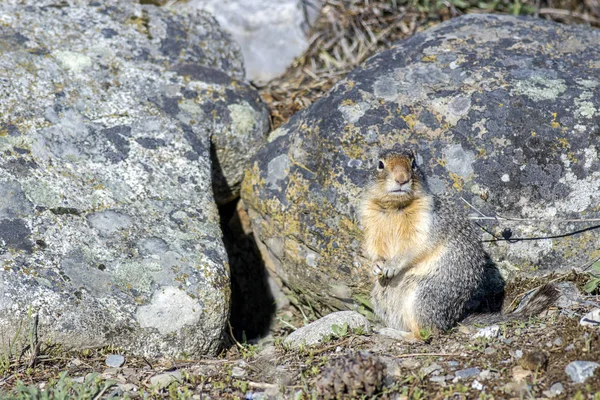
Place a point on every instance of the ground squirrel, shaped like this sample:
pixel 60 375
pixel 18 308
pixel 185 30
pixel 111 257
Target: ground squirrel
pixel 428 259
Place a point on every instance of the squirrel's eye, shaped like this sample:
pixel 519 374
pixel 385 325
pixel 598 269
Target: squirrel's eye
pixel 380 165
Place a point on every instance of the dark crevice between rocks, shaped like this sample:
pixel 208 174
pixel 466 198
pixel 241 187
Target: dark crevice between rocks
pixel 221 190
pixel 252 303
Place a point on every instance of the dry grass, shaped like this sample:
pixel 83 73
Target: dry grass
pixel 347 32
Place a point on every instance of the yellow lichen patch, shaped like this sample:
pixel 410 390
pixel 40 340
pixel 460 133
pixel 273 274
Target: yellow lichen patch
pixel 410 120
pixel 458 181
pixel 563 142
pixel 141 24
pixel 431 58
pixel 555 124
pixel 572 158
pixel 355 148
pixel 533 134
pixel 347 102
pixel 252 178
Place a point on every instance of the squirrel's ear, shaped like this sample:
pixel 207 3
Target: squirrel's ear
pixel 413 153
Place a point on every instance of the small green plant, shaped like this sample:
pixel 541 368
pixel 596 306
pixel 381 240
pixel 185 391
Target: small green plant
pixel 579 396
pixel 425 334
pixel 92 387
pixel 594 282
pixel 340 331
pixel 248 350
pixel 359 330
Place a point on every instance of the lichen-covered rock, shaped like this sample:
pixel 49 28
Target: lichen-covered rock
pixel 108 227
pixel 318 330
pixel 503 112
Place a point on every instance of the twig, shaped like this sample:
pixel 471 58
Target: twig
pixel 148 362
pixel 332 346
pixel 428 355
pixel 261 385
pixel 287 323
pixel 566 13
pixel 239 345
pixel 473 207
pixel 204 361
pixel 99 395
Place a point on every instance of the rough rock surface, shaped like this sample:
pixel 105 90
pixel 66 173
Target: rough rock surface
pixel 316 331
pixel 579 371
pixel 108 227
pixel 271 33
pixel 503 112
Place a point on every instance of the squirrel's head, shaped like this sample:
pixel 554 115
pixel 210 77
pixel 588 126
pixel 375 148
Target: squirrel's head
pixel 398 179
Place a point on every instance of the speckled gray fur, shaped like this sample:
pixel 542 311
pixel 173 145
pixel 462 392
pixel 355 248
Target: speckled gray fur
pixel 108 227
pixel 503 112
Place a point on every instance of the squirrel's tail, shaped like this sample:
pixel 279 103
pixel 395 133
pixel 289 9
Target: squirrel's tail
pixel 532 304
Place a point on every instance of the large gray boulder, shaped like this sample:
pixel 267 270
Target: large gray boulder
pixel 108 226
pixel 504 113
pixel 271 33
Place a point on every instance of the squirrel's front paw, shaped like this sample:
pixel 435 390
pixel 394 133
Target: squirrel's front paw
pixel 383 269
pixel 378 268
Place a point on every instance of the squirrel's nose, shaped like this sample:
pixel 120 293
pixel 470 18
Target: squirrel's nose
pixel 401 181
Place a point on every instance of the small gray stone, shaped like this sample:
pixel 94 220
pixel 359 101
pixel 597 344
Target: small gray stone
pixel 487 374
pixel 489 332
pixel 115 360
pixel 579 371
pixel 452 364
pixel 555 390
pixel 431 369
pixel 76 362
pixel 161 381
pixel 591 319
pixel 569 297
pixel 392 333
pixel 238 372
pixel 518 354
pixel 438 379
pixel 557 342
pixel 467 373
pixel 570 347
pixel 314 332
pixel 110 373
pixel 477 385
pixel 127 387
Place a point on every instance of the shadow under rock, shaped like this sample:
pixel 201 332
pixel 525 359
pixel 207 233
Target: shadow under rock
pixel 252 303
